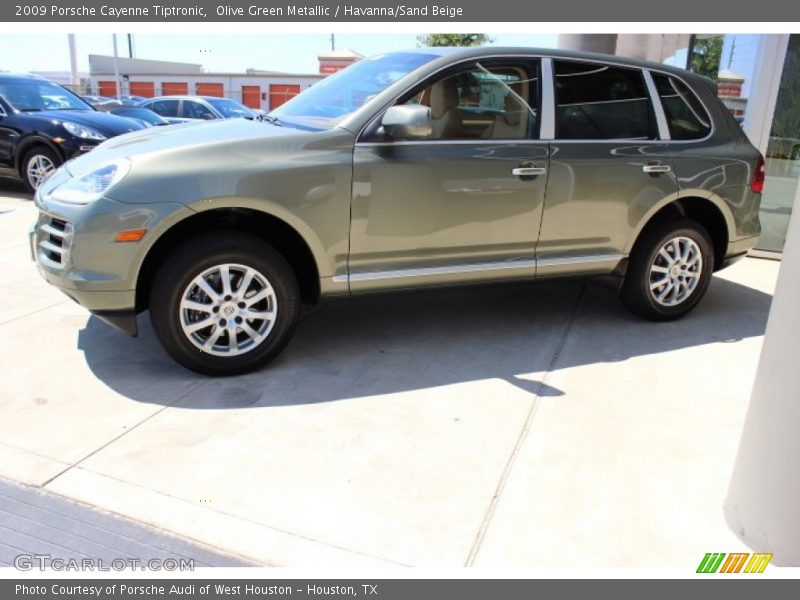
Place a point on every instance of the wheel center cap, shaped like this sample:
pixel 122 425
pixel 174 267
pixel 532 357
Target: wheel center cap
pixel 675 271
pixel 228 309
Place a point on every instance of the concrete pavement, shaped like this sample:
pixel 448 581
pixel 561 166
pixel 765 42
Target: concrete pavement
pixel 534 425
pixel 35 524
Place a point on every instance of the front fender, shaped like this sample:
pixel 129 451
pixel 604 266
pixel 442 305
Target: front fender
pixel 31 140
pixel 325 266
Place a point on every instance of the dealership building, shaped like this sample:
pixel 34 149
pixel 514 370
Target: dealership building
pixel 255 88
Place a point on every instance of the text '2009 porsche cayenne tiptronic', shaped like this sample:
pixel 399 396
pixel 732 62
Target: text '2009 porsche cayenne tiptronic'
pixel 408 169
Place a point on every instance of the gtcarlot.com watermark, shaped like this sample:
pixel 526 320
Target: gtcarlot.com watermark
pixel 30 562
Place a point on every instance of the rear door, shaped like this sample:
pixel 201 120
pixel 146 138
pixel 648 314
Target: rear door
pixel 608 166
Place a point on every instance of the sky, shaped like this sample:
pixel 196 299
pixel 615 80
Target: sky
pixel 224 53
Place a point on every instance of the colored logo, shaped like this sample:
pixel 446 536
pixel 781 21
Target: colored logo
pixel 737 562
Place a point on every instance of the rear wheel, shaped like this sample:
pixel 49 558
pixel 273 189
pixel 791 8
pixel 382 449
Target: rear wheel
pixel 37 165
pixel 669 271
pixel 225 303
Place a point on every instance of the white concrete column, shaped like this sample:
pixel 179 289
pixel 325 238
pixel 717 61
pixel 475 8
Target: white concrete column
pixel 763 504
pixel 634 45
pixel 605 43
pixel 764 88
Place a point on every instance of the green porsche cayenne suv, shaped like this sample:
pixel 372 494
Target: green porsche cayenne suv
pixel 420 168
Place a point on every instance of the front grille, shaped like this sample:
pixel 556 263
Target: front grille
pixel 55 237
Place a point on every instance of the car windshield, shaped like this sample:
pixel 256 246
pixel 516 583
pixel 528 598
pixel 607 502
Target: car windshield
pixel 329 101
pixel 33 95
pixel 230 109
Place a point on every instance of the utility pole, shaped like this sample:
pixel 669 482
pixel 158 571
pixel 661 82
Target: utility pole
pixel 116 67
pixel 130 46
pixel 75 78
pixel 333 42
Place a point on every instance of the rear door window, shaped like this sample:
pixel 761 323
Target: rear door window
pixel 165 108
pixel 686 117
pixel 602 102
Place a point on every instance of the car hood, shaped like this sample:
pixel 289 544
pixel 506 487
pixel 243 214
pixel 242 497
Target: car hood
pixel 108 125
pixel 176 139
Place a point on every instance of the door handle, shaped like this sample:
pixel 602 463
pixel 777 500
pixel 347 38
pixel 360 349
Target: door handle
pixel 656 168
pixel 528 171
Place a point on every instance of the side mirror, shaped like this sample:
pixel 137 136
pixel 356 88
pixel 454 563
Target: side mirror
pixel 407 122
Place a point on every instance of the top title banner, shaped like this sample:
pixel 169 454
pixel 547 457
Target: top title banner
pixel 125 11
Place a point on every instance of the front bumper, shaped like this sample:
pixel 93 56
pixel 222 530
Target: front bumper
pixel 74 249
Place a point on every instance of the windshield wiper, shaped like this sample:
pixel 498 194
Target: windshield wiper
pixel 271 119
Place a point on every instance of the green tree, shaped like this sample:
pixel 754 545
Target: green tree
pixel 453 39
pixel 786 122
pixel 706 56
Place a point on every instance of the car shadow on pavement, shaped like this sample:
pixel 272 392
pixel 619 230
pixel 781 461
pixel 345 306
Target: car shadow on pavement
pixel 14 188
pixel 389 343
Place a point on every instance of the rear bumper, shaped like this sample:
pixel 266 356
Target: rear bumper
pixel 737 250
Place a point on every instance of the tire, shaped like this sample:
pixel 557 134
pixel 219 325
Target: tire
pixel 224 346
pixel 676 287
pixel 37 159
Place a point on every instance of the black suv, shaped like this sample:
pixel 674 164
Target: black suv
pixel 43 125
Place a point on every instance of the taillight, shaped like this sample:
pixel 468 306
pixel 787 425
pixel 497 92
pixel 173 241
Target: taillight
pixel 757 185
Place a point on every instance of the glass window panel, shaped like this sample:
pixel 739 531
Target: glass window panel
pixel 601 102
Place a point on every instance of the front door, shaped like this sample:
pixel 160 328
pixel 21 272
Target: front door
pixel 464 203
pixel 607 167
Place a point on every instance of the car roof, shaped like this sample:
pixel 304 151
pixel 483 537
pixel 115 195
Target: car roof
pixel 487 51
pixel 22 76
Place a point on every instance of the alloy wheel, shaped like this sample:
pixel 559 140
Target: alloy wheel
pixel 228 310
pixel 675 271
pixel 39 168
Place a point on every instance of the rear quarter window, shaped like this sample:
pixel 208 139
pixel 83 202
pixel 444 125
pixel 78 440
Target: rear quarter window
pixel 686 116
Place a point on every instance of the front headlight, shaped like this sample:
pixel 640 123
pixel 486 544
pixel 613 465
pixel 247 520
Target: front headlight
pixel 83 132
pixel 89 187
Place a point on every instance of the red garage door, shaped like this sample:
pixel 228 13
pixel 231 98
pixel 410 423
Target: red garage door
pixel 107 88
pixel 209 89
pixel 280 93
pixel 175 88
pixel 251 96
pixel 143 88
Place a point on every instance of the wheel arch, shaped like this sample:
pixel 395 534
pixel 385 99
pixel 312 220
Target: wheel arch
pixel 285 237
pixel 28 142
pixel 707 209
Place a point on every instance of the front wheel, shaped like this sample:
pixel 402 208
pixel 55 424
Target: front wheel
pixel 37 165
pixel 669 271
pixel 224 303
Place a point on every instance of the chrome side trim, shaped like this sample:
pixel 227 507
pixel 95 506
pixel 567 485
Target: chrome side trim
pixel 487 143
pixel 477 267
pixel 547 129
pixel 444 270
pixel 578 260
pixel 658 107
